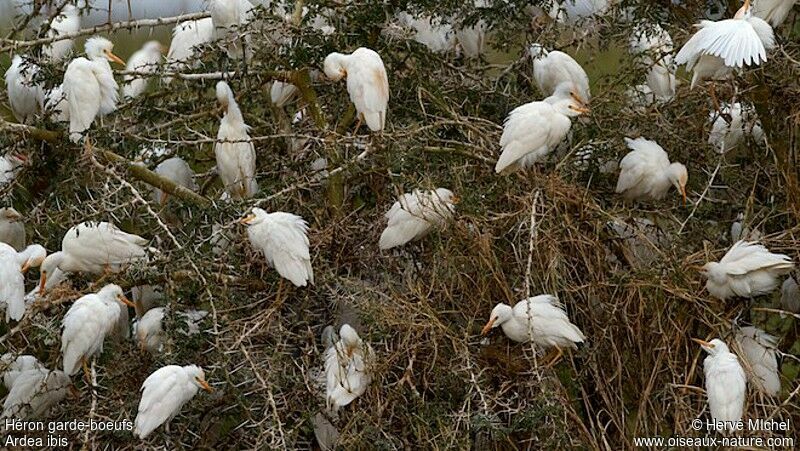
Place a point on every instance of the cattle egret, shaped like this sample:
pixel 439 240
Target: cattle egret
pixel 12 367
pixel 572 11
pixel 790 295
pixel 282 238
pixel 647 174
pixel 540 319
pixel 720 47
pixel 34 393
pixel 10 165
pixel 759 356
pixel 747 270
pixel 228 18
pixel 187 37
pixel 367 84
pixel 415 214
pixel 164 393
pixel 90 87
pixel 236 155
pixel 652 47
pixel 726 135
pixel 533 130
pixel 773 11
pixel 282 93
pixel 144 60
pixel 13 266
pixel 94 247
pixel 177 170
pixel 149 330
pixel 471 38
pixel 347 369
pixel 24 94
pixel 12 230
pixel 551 69
pixel 431 31
pixel 87 323
pixel 66 22
pixel 725 381
pixel 55 105
pixel 148 296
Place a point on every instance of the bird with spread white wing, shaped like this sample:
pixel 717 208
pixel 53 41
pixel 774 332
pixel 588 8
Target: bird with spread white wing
pixel 540 319
pixel 145 60
pixel 760 358
pixel 720 47
pixel 12 230
pixel 647 174
pixel 13 266
pixel 367 84
pixel 731 124
pixel 773 11
pixel 177 170
pixel 228 18
pixel 725 381
pixel 11 367
pixel 187 37
pixel 347 368
pixel 24 94
pixel 87 323
pixel 415 214
pixel 89 86
pixel 164 393
pixel 283 239
pixel 66 22
pixel 235 153
pixel 551 69
pixel 747 270
pixel 94 247
pixel 533 130
pixel 35 392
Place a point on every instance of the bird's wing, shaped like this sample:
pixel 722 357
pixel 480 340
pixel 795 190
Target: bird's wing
pixel 525 130
pixel 632 170
pixel 12 289
pixel 758 348
pixel 163 394
pixel 734 41
pixel 102 243
pixel 288 244
pixel 744 257
pixel 369 89
pixel 85 328
pixel 83 93
pixel 764 32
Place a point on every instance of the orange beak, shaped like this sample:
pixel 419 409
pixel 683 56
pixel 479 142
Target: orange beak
pixel 247 219
pixel 114 58
pixel 455 200
pixel 204 385
pixel 488 326
pixel 42 282
pixel 683 194
pixel 702 343
pixel 126 301
pixel 25 267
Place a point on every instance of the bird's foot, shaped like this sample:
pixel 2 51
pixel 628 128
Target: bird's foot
pixel 553 360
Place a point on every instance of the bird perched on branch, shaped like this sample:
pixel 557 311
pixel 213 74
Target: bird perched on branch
pixel 748 269
pixel 34 392
pixel 725 381
pixel 367 84
pixel 236 155
pixel 144 60
pixel 347 369
pixel 228 18
pixel 572 11
pixel 87 323
pixel 66 22
pixel 89 86
pixel 282 238
pixel 726 135
pixel 652 47
pixel 12 230
pixel 551 69
pixel 94 247
pixel 187 37
pixel 720 47
pixel 647 174
pixel 13 266
pixel 415 214
pixel 761 363
pixel 148 328
pixel 164 393
pixel 540 319
pixel 24 93
pixel 177 170
pixel 533 130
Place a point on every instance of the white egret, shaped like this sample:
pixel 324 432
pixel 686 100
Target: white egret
pixel 24 93
pixel 367 84
pixel 572 11
pixel 90 87
pixel 10 165
pixel 283 239
pixel 35 392
pixel 228 18
pixel 652 47
pixel 66 22
pixel 725 381
pixel 94 247
pixel 347 368
pixel 282 93
pixel 551 69
pixel 540 319
pixel 431 31
pixel 144 60
pixel 760 358
pixel 726 135
pixel 415 214
pixel 647 174
pixel 55 105
pixel 471 38
pixel 87 323
pixel 149 330
pixel 533 130
pixel 13 266
pixel 236 155
pixel 164 393
pixel 720 47
pixel 12 230
pixel 790 295
pixel 177 170
pixel 11 367
pixel 747 270
pixel 187 37
pixel 773 11
pixel 148 296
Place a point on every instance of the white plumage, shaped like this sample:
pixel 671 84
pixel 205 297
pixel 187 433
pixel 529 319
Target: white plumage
pixel 89 86
pixel 551 69
pixel 725 381
pixel 646 172
pixel 87 323
pixel 720 47
pixel 236 155
pixel 10 165
pixel 533 130
pixel 367 83
pixel 282 238
pixel 652 47
pixel 24 94
pixel 186 38
pixel 282 93
pixel 726 136
pixel 759 356
pixel 471 39
pixel 790 295
pixel 12 367
pixel 94 247
pixel 415 214
pixel 541 319
pixel 747 270
pixel 228 18
pixel 55 104
pixel 572 11
pixel 177 170
pixel 164 393
pixel 67 22
pixel 149 330
pixel 144 60
pixel 12 230
pixel 430 31
pixel 773 11
pixel 347 368
pixel 13 265
pixel 34 393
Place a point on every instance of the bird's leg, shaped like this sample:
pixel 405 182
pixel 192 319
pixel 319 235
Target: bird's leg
pixel 358 125
pixel 555 358
pixel 712 92
pixel 86 373
pixel 88 148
